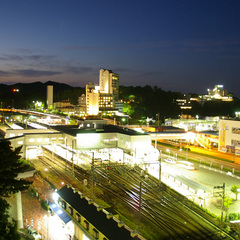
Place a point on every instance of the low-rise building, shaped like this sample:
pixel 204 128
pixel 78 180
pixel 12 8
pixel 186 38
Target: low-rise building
pixel 90 220
pixel 229 136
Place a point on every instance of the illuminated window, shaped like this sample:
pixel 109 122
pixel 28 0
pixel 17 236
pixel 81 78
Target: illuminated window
pixel 31 140
pixel 78 217
pixel 235 142
pixel 86 225
pixel 11 135
pixel 20 142
pixel 236 130
pixel 70 211
pixel 62 204
pixel 46 139
pixel 95 234
pixel 39 140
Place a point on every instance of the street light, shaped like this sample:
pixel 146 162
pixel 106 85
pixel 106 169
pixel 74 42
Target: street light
pixel 168 151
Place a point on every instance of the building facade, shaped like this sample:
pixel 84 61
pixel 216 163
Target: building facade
pixel 229 136
pixel 92 99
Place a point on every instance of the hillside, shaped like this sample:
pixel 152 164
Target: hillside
pixel 29 92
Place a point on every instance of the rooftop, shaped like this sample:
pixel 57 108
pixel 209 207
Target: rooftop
pixel 74 130
pixel 101 219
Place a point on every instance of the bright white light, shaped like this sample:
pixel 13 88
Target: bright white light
pixel 87 140
pixel 59 211
pixel 85 237
pixel 55 196
pixel 190 136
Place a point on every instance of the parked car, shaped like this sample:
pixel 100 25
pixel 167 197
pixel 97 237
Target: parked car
pixel 186 164
pixel 169 160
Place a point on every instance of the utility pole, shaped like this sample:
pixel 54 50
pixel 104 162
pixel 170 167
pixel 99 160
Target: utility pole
pixel 72 158
pixel 160 168
pixel 223 198
pixel 92 172
pixel 140 207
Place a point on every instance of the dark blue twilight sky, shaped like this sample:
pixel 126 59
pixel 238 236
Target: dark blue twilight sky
pixel 178 45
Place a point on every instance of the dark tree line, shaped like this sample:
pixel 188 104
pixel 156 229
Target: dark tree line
pixel 142 102
pixel 29 92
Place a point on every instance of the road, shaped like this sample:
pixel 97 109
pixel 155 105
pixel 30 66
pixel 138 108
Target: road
pixel 207 176
pixel 207 156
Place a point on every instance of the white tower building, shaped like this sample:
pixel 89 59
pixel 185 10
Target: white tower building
pixel 49 96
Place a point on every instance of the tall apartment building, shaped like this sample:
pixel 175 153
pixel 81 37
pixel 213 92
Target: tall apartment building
pixel 102 98
pixel 109 83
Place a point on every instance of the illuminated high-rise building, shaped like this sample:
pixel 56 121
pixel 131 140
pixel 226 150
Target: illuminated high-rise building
pixel 92 99
pixel 102 98
pixel 49 96
pixel 109 83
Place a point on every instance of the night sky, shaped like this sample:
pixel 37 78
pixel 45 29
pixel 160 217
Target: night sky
pixel 182 45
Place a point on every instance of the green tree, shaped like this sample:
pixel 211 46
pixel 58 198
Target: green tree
pixel 8 229
pixel 227 203
pixel 11 166
pixel 235 189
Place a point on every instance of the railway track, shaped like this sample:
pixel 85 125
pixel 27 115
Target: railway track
pixel 149 201
pixel 160 207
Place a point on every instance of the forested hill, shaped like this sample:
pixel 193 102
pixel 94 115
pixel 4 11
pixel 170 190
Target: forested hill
pixel 146 101
pixel 36 91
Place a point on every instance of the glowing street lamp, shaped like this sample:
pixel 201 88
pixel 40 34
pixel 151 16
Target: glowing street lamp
pixel 168 151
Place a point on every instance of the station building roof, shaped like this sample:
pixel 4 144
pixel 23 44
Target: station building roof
pixel 108 226
pixel 108 128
